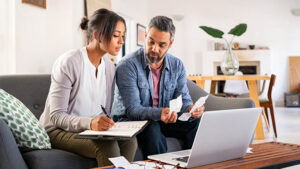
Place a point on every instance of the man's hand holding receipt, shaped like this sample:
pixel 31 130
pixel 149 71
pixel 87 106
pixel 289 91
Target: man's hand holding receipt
pixel 196 110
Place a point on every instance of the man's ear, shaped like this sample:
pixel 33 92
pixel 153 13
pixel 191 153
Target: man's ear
pixel 171 43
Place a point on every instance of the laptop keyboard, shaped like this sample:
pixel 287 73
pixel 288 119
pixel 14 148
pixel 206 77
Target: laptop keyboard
pixel 182 153
pixel 182 159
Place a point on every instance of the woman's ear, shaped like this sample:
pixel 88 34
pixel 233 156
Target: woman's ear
pixel 95 36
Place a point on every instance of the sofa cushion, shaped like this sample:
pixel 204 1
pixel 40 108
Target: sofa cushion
pixel 54 159
pixel 23 124
pixel 10 156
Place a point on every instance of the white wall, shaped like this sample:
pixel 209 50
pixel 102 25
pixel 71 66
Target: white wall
pixel 270 23
pixel 7 37
pixel 133 11
pixel 39 35
pixel 42 35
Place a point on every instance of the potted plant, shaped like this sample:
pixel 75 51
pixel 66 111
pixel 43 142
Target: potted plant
pixel 230 63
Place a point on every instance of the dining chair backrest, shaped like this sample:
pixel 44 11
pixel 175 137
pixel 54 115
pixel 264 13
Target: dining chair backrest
pixel 271 85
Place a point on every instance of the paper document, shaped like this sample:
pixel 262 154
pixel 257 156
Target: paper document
pixel 122 129
pixel 119 161
pixel 249 150
pixel 176 104
pixel 123 163
pixel 198 104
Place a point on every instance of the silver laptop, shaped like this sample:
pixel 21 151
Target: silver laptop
pixel 222 135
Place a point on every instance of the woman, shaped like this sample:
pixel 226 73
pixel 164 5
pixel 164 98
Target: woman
pixel 81 81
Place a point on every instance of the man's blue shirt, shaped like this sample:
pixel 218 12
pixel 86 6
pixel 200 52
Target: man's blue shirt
pixel 135 85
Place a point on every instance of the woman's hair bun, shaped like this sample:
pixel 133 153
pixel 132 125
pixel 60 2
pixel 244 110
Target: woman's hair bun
pixel 84 23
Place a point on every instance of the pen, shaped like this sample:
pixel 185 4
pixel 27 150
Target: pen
pixel 104 111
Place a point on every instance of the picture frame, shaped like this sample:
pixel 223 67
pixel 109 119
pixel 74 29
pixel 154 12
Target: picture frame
pixel 140 34
pixel 39 3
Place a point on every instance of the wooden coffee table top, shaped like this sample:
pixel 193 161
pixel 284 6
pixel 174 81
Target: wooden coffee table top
pixel 264 154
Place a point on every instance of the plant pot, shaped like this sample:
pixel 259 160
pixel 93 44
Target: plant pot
pixel 230 62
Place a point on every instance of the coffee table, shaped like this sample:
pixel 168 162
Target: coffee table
pixel 265 155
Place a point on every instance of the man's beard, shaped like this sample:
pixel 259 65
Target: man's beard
pixel 154 59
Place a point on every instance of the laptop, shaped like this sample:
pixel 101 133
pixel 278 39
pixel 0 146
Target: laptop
pixel 221 135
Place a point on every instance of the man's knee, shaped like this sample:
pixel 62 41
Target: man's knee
pixel 152 130
pixel 152 140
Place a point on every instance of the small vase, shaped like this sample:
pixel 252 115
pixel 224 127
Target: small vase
pixel 230 62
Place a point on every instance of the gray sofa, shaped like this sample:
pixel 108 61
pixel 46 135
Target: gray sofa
pixel 32 90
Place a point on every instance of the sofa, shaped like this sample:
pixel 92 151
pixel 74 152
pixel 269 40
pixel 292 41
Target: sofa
pixel 32 90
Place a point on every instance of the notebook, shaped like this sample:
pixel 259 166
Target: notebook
pixel 120 131
pixel 221 135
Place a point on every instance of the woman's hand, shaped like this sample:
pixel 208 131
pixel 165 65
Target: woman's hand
pixel 198 112
pixel 101 123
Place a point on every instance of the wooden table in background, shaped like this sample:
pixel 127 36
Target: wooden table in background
pixel 253 91
pixel 266 155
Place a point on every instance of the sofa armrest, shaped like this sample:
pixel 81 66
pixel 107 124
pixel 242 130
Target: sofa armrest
pixel 10 156
pixel 218 103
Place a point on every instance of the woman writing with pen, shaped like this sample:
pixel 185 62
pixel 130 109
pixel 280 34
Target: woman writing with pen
pixel 81 81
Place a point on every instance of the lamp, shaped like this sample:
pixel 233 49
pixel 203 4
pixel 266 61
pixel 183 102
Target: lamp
pixel 178 17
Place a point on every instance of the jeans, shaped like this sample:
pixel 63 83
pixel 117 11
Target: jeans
pixel 153 139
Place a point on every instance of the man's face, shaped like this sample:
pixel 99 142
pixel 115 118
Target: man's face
pixel 156 45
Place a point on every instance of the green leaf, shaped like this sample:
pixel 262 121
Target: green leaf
pixel 13 108
pixel 22 129
pixel 216 33
pixel 29 127
pixel 19 122
pixel 5 110
pixel 25 137
pixel 38 131
pixel 30 133
pixel 9 117
pixel 5 104
pixel 13 125
pixel 238 30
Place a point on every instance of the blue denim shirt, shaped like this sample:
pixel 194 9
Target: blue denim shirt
pixel 135 85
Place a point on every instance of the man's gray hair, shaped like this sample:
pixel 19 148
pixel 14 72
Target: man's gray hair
pixel 164 24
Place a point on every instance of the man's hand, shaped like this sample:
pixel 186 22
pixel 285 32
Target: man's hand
pixel 168 117
pixel 101 123
pixel 198 112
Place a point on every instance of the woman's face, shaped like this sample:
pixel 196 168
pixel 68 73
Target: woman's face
pixel 117 39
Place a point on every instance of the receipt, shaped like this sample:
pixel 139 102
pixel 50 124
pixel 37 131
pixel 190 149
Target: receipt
pixel 120 161
pixel 185 116
pixel 176 104
pixel 198 104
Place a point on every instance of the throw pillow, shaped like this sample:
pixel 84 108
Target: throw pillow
pixel 24 125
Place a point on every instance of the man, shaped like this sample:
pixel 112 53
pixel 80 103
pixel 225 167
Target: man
pixel 147 80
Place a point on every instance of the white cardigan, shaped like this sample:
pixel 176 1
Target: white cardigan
pixel 65 83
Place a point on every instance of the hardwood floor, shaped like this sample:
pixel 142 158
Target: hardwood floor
pixel 288 126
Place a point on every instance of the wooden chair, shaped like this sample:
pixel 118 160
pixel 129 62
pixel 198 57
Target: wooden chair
pixel 268 103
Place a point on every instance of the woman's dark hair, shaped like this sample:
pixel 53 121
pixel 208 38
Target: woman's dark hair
pixel 102 21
